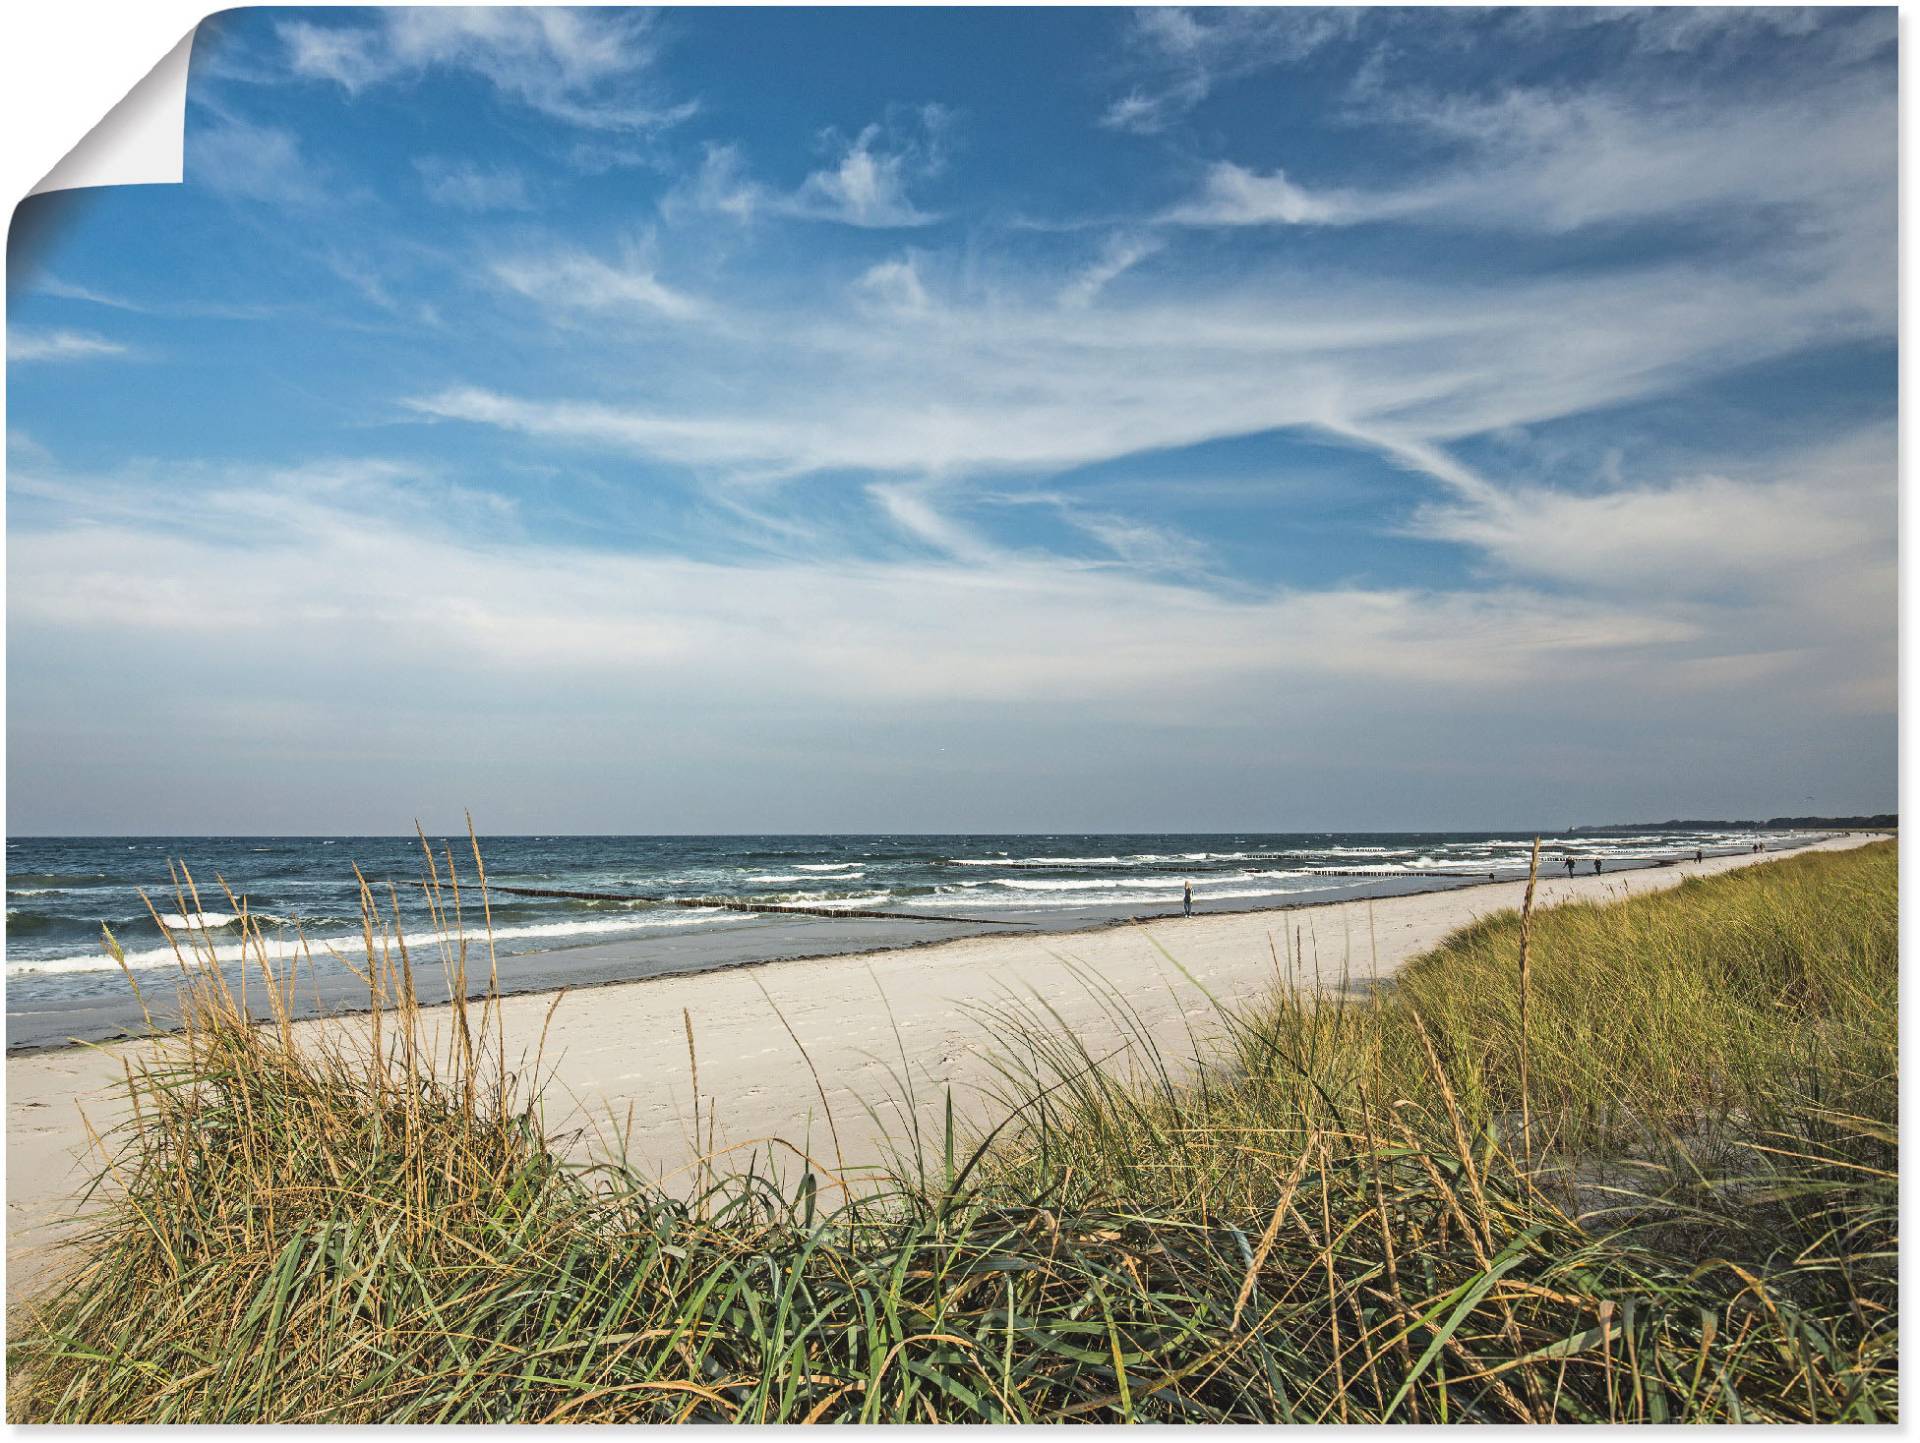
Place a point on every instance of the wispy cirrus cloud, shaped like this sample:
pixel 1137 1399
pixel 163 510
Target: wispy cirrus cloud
pixel 34 345
pixel 238 158
pixel 866 181
pixel 867 184
pixel 1554 162
pixel 1139 545
pixel 584 67
pixel 1119 254
pixel 1791 524
pixel 895 286
pixel 1233 195
pixel 1183 55
pixel 469 186
pixel 365 529
pixel 993 380
pixel 51 285
pixel 1178 58
pixel 569 280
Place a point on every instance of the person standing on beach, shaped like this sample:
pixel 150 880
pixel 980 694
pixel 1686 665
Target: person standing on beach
pixel 1186 900
pixel 1569 862
pixel 1596 866
pixel 1698 855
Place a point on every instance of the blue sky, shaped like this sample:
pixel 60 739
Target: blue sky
pixel 733 420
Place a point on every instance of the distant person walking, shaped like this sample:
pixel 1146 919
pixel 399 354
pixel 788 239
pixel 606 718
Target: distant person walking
pixel 1596 866
pixel 1698 855
pixel 1186 900
pixel 1569 862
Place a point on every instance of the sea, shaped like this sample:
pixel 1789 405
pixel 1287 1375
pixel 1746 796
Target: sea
pixel 65 893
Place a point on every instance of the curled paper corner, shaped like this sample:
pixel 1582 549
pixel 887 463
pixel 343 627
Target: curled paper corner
pixel 141 141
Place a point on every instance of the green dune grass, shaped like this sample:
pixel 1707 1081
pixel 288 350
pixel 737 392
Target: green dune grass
pixel 1670 1196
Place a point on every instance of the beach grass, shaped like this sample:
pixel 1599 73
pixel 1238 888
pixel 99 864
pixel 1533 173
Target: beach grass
pixel 1655 1183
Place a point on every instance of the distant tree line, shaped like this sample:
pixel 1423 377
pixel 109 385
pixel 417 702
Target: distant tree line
pixel 1885 821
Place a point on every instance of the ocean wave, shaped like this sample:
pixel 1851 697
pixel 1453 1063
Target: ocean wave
pixel 1046 862
pixel 827 866
pixel 199 921
pixel 1202 882
pixel 1451 868
pixel 282 948
pixel 827 899
pixel 1064 884
pixel 768 877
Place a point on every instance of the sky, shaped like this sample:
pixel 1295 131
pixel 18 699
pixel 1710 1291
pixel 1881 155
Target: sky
pixel 967 420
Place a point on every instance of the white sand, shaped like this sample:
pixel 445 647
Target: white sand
pixel 619 1052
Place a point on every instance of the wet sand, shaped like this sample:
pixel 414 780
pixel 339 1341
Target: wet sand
pixel 869 1022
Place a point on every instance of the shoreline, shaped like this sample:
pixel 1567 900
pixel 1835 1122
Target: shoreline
pixel 818 1048
pixel 593 965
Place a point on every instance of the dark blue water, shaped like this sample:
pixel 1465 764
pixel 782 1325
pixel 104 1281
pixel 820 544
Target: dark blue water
pixel 61 892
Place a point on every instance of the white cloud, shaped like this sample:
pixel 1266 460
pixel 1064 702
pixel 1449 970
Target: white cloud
pixel 992 379
pixel 895 285
pixel 865 183
pixel 275 571
pixel 468 186
pixel 867 186
pixel 1046 667
pixel 1140 545
pixel 30 345
pixel 1234 195
pixel 1538 161
pixel 720 187
pixel 571 280
pixel 1185 54
pixel 914 508
pixel 252 162
pixel 1789 527
pixel 585 67
pixel 1180 57
pixel 931 397
pixel 49 285
pixel 1689 29
pixel 1558 162
pixel 1120 254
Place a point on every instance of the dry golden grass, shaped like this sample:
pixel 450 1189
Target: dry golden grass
pixel 1655 1182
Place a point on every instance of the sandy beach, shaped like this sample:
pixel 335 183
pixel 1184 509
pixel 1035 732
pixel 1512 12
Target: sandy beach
pixel 618 1054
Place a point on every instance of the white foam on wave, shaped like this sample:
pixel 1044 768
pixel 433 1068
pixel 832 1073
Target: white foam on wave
pixel 828 866
pixel 1044 862
pixel 198 921
pixel 279 949
pixel 1205 881
pixel 1065 884
pixel 803 877
pixel 872 900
